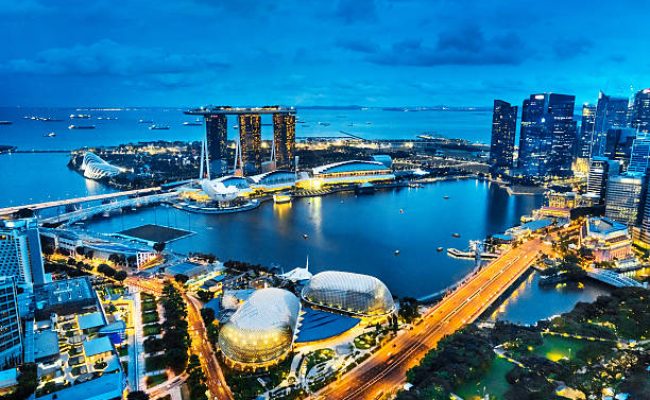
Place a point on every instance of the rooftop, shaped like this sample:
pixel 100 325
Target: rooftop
pixel 319 325
pixel 46 344
pixel 108 386
pixel 155 233
pixel 66 291
pixel 605 226
pixel 228 110
pixel 92 320
pixel 188 269
pixel 97 346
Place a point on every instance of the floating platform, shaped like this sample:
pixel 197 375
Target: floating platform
pixel 253 204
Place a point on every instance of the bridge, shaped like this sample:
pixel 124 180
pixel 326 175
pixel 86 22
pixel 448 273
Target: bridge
pixel 85 213
pixel 612 278
pixel 78 200
pixel 385 371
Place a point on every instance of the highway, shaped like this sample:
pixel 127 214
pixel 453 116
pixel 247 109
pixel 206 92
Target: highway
pixel 58 203
pixel 385 371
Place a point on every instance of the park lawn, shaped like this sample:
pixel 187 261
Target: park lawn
pixel 149 306
pixel 492 382
pixel 149 330
pixel 154 363
pixel 154 380
pixel 149 317
pixel 556 348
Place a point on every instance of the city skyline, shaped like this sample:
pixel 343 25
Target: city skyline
pixel 375 53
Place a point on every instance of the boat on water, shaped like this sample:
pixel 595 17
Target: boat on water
pixel 324 123
pixel 365 188
pixel 81 127
pixel 145 121
pixel 440 248
pixel 6 122
pixel 416 185
pixel 190 123
pixel 51 134
pixel 445 197
pixel 455 234
pixel 397 252
pixel 79 116
pixel 305 236
pixel 155 127
pixel 281 198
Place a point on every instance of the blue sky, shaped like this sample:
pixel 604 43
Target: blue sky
pixel 369 52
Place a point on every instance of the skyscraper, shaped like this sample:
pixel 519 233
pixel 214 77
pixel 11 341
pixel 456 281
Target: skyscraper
pixel 640 155
pixel 20 252
pixel 585 139
pixel 216 134
pixel 10 328
pixel 548 135
pixel 641 111
pixel 504 129
pixel 600 168
pixel 250 140
pixel 618 144
pixel 624 197
pixel 611 112
pixel 284 139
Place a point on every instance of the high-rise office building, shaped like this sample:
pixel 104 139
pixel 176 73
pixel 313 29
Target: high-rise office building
pixel 548 135
pixel 250 142
pixel 640 155
pixel 585 139
pixel 284 139
pixel 611 112
pixel 216 135
pixel 618 144
pixel 10 328
pixel 624 197
pixel 641 111
pixel 504 129
pixel 20 251
pixel 600 168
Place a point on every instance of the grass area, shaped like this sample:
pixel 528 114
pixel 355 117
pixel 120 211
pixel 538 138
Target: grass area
pixel 319 356
pixel 148 306
pixel 123 350
pixel 149 317
pixel 154 380
pixel 556 348
pixel 492 382
pixel 365 340
pixel 149 330
pixel 154 363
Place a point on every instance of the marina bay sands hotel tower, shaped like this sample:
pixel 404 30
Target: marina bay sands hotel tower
pixel 250 136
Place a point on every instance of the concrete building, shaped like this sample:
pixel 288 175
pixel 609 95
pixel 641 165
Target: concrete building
pixel 504 129
pixel 20 252
pixel 606 240
pixel 624 197
pixel 11 346
pixel 641 111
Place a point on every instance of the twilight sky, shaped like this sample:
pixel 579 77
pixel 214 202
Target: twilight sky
pixel 368 52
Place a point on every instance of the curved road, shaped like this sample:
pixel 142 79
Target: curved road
pixel 385 371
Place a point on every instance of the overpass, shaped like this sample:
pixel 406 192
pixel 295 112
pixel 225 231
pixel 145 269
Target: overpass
pixel 85 213
pixel 77 200
pixel 385 371
pixel 612 278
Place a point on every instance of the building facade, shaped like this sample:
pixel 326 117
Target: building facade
pixel 11 348
pixel 641 111
pixel 611 112
pixel 624 197
pixel 639 155
pixel 587 125
pixel 548 135
pixel 216 136
pixel 504 129
pixel 250 142
pixel 284 140
pixel 606 240
pixel 20 252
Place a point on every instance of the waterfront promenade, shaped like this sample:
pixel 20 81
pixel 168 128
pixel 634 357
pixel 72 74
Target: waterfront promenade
pixel 385 371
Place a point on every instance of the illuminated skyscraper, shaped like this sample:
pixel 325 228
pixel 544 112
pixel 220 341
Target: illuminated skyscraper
pixel 216 134
pixel 284 139
pixel 600 168
pixel 585 139
pixel 548 135
pixel 611 112
pixel 641 111
pixel 504 129
pixel 20 252
pixel 10 327
pixel 640 155
pixel 250 139
pixel 624 197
